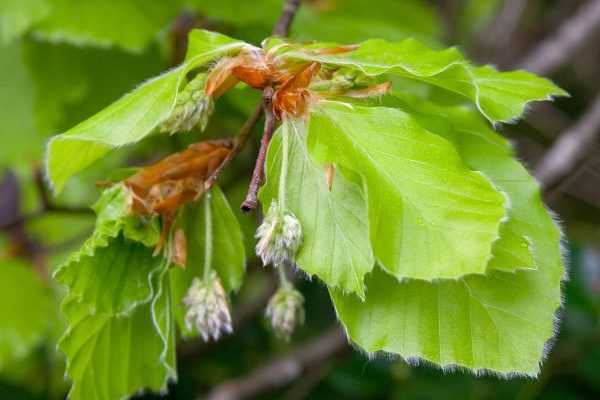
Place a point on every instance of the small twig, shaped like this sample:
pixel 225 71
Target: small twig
pixel 556 50
pixel 282 27
pixel 570 148
pixel 285 369
pixel 258 175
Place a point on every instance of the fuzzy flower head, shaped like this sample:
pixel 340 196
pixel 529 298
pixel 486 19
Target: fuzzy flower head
pixel 285 311
pixel 192 108
pixel 208 308
pixel 279 236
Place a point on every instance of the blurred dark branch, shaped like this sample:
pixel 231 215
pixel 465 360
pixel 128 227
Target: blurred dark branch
pixel 572 146
pixel 282 27
pixel 47 205
pixel 559 48
pixel 285 369
pixel 500 32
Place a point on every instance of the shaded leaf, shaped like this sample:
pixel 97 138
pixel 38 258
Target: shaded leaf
pixel 17 16
pixel 129 24
pixel 26 309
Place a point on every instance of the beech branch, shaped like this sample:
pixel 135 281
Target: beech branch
pixel 559 48
pixel 258 175
pixel 285 369
pixel 571 147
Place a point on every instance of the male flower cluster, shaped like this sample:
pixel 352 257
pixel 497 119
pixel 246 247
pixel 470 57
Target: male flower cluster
pixel 285 311
pixel 279 236
pixel 208 308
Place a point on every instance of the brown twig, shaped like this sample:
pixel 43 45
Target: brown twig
pixel 285 369
pixel 570 148
pixel 258 175
pixel 556 50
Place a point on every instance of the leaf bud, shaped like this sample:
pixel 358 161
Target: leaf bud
pixel 192 108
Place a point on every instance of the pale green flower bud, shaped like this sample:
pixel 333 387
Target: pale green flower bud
pixel 285 311
pixel 208 308
pixel 192 108
pixel 279 236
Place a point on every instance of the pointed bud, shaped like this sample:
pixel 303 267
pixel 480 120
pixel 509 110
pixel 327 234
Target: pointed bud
pixel 279 236
pixel 192 108
pixel 285 311
pixel 208 308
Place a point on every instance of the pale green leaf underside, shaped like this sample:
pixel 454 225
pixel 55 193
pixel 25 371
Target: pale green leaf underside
pixel 228 252
pixel 26 310
pixel 131 118
pixel 120 334
pixel 500 96
pixel 335 244
pixel 499 322
pixel 430 217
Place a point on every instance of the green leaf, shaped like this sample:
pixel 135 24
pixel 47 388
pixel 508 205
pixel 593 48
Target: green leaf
pixel 500 322
pixel 484 150
pixel 26 309
pixel 430 217
pixel 335 244
pixel 228 256
pixel 130 119
pixel 17 16
pixel 119 338
pixel 499 96
pixel 129 24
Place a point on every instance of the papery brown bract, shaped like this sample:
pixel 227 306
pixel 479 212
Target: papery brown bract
pixel 162 188
pixel 293 95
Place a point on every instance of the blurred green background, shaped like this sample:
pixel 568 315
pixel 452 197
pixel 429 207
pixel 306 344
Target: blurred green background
pixel 63 60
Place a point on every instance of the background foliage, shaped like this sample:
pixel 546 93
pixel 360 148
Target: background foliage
pixel 63 60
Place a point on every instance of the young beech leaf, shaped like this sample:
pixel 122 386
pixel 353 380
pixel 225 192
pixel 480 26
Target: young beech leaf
pixel 484 150
pixel 26 309
pixel 120 337
pixel 228 257
pixel 131 118
pixel 336 244
pixel 500 322
pixel 430 216
pixel 499 96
